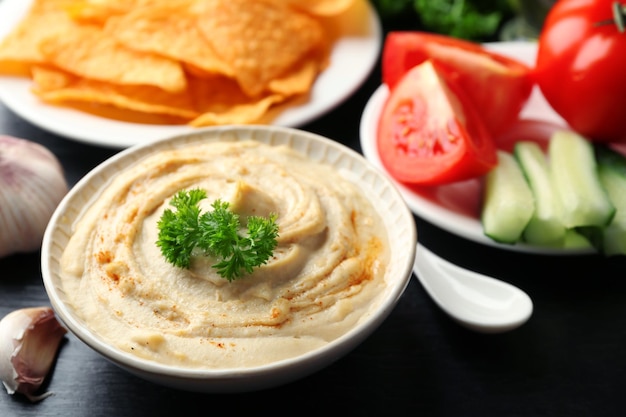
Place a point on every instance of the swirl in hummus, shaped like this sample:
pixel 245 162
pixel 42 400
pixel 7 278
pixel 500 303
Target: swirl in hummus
pixel 325 275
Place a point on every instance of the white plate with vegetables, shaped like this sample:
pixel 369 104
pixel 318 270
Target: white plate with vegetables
pixel 456 207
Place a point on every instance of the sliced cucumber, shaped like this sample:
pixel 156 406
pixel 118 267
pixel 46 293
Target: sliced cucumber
pixel 545 227
pixel 575 240
pixel 612 172
pixel 576 182
pixel 508 203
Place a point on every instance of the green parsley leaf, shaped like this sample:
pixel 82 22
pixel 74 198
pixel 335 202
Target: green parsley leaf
pixel 216 234
pixel 460 18
pixel 475 20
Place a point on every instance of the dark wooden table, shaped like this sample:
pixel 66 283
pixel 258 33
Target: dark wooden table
pixel 568 360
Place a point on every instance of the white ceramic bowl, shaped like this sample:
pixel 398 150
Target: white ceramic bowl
pixel 398 220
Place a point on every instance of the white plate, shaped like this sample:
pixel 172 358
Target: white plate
pixel 352 60
pixel 453 207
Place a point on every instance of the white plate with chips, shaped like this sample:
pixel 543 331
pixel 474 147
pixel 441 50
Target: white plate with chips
pixel 352 59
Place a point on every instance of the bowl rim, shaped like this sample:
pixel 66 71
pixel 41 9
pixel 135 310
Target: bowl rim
pixel 274 135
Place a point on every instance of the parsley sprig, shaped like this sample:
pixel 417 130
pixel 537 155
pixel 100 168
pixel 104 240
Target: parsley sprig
pixel 216 233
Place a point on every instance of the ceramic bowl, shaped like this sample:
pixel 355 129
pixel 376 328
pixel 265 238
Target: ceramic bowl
pixel 398 222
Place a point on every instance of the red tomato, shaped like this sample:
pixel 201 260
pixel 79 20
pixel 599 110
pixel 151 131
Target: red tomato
pixel 428 134
pixel 581 68
pixel 498 86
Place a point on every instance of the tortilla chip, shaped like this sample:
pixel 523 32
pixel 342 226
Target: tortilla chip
pixel 239 114
pixel 220 100
pixel 99 11
pixel 57 87
pixel 298 81
pixel 259 39
pixel 169 30
pixel 87 51
pixel 207 102
pixel 19 50
pixel 322 7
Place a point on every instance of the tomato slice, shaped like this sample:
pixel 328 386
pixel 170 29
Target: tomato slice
pixel 498 86
pixel 428 134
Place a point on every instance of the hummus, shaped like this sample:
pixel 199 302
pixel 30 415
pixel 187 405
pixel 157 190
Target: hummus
pixel 325 275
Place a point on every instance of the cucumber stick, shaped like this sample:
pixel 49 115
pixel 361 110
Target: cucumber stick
pixel 575 240
pixel 576 181
pixel 612 172
pixel 508 203
pixel 545 227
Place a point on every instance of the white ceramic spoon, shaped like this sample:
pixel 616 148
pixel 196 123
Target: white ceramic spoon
pixel 474 300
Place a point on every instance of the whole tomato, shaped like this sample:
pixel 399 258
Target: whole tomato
pixel 581 66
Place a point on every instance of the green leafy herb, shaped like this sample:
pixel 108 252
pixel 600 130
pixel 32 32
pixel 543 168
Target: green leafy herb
pixel 462 18
pixel 392 8
pixel 476 20
pixel 216 234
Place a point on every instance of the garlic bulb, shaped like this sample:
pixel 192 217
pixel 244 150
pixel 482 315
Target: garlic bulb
pixel 29 340
pixel 32 184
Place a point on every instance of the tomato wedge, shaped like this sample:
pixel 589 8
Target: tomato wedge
pixel 498 86
pixel 428 133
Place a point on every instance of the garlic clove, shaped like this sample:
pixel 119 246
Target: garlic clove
pixel 32 183
pixel 29 341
